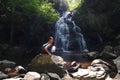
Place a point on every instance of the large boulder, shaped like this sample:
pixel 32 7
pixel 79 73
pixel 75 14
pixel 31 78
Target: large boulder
pixel 108 52
pixel 43 63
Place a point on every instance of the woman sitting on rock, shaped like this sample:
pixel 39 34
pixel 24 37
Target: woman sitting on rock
pixel 46 47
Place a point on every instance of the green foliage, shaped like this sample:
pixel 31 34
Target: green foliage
pixel 48 12
pixel 40 8
pixel 72 4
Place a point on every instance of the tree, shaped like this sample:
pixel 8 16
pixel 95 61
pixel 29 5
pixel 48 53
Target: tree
pixel 21 18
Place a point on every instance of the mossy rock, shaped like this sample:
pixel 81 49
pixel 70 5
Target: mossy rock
pixel 43 63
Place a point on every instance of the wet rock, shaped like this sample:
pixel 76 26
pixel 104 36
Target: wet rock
pixel 6 64
pixel 3 75
pixel 32 76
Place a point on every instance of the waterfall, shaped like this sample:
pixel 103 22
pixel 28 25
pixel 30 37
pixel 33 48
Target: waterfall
pixel 68 36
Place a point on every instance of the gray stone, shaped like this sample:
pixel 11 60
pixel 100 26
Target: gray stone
pixel 117 62
pixel 54 76
pixel 93 54
pixel 44 77
pixel 3 75
pixel 32 76
pixel 6 64
pixel 73 67
pixel 14 79
pixel 109 53
pixel 20 69
pixel 58 61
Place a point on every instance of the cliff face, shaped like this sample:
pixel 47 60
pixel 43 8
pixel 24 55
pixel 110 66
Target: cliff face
pixel 99 20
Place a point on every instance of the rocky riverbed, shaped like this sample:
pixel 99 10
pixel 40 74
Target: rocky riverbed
pixel 104 65
pixel 44 67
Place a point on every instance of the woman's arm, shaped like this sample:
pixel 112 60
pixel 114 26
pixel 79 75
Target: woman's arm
pixel 47 47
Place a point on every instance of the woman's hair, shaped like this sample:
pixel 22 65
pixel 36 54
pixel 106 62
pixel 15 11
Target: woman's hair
pixel 51 39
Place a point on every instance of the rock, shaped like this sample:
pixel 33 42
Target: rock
pixel 32 76
pixel 44 63
pixel 93 55
pixel 109 78
pixel 80 73
pixel 20 69
pixel 58 61
pixel 98 73
pixel 44 77
pixel 100 76
pixel 100 61
pixel 54 76
pixel 117 62
pixel 5 64
pixel 109 52
pixel 14 79
pixel 91 74
pixel 73 63
pixel 3 75
pixel 73 67
pixel 13 73
pixel 67 76
pixel 117 77
pixel 98 70
pixel 17 71
pixel 7 70
pixel 108 65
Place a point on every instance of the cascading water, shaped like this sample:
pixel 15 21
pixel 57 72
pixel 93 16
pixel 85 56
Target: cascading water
pixel 68 36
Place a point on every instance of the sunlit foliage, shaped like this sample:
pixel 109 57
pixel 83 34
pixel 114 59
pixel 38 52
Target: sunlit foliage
pixel 72 4
pixel 21 18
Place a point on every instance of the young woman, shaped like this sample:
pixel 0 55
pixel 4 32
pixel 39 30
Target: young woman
pixel 48 45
